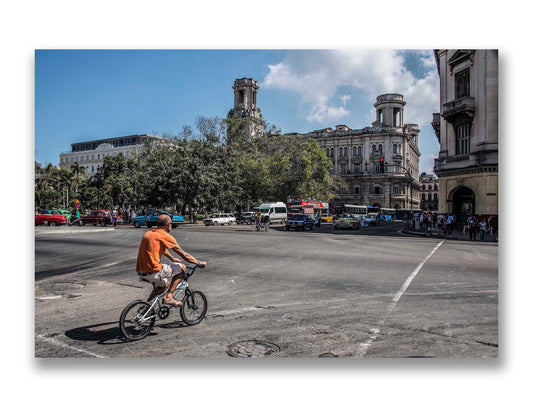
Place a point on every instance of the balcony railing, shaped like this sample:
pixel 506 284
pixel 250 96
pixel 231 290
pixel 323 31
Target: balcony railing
pixel 459 107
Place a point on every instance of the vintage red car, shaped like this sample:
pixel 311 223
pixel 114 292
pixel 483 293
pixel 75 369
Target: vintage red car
pixel 50 219
pixel 96 217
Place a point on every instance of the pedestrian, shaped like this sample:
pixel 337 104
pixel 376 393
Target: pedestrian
pixel 194 216
pixel 472 227
pixel 114 215
pixel 318 221
pixel 482 229
pixel 449 221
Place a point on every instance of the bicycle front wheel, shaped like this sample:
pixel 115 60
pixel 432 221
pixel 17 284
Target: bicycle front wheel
pixel 194 308
pixel 134 323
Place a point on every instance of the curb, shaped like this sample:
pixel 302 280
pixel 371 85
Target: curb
pixel 57 232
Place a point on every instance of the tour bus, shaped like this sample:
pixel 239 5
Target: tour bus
pixel 404 213
pixel 388 214
pixel 361 210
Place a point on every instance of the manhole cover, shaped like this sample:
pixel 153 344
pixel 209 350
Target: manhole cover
pixel 328 355
pixel 253 349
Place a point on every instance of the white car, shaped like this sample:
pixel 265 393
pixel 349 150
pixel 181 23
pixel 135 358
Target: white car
pixel 220 219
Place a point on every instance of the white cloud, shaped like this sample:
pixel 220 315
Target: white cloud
pixel 317 76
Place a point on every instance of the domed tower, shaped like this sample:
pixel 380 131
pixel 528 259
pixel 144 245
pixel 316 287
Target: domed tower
pixel 389 110
pixel 245 105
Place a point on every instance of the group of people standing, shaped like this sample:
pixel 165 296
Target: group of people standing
pixel 477 227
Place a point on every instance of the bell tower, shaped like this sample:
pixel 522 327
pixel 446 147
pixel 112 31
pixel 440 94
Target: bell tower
pixel 245 105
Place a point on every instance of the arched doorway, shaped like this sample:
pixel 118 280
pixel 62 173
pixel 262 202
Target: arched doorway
pixel 463 203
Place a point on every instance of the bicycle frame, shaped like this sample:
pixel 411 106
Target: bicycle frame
pixel 158 299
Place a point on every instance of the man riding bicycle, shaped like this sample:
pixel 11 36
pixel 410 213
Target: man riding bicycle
pixel 155 243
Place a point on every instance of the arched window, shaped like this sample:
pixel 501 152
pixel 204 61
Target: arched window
pixel 327 152
pixel 354 151
pixel 346 151
pixel 394 148
pixel 380 148
pixel 373 148
pixel 359 151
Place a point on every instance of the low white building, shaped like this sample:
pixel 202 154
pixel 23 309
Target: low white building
pixel 90 154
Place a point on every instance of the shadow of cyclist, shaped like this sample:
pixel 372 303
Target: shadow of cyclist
pixel 107 336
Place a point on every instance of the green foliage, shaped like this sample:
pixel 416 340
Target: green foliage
pixel 214 166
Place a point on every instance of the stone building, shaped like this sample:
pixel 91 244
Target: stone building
pixel 245 105
pixel 429 193
pixel 467 130
pixel 90 154
pixel 379 165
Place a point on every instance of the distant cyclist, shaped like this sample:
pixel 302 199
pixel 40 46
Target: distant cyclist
pixel 154 244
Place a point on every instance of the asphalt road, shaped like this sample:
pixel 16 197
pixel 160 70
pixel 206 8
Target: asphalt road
pixel 372 293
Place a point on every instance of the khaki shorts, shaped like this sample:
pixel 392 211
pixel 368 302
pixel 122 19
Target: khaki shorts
pixel 164 275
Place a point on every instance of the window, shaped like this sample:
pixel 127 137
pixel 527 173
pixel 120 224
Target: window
pixel 357 168
pixel 430 187
pixel 354 151
pixel 463 139
pixel 377 190
pixel 380 148
pixel 435 197
pixel 423 197
pixel 343 190
pixel 241 96
pixel 380 116
pixel 357 190
pixel 346 151
pixel 396 189
pixel 376 168
pixel 394 149
pixel 280 209
pixel 343 169
pixel 462 84
pixel 327 152
pixel 359 151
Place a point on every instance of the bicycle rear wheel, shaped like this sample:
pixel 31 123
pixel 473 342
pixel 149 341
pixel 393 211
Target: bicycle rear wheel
pixel 131 325
pixel 194 308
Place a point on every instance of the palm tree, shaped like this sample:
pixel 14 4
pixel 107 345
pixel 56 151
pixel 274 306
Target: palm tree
pixel 77 169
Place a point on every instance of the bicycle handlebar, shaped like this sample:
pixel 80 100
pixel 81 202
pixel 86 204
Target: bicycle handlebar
pixel 193 268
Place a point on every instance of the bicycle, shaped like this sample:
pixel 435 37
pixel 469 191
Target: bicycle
pixel 256 226
pixel 138 318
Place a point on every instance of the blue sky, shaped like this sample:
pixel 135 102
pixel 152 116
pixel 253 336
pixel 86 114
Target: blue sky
pixel 92 94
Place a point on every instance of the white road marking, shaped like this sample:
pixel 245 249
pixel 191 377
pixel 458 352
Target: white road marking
pixel 51 297
pixel 363 348
pixel 64 345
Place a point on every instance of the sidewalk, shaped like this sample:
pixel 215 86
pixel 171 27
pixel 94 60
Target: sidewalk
pixel 455 235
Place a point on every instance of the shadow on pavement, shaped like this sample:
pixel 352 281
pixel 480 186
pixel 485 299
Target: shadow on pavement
pixel 104 334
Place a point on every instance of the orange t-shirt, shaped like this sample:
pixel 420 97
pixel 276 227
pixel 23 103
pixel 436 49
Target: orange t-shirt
pixel 153 245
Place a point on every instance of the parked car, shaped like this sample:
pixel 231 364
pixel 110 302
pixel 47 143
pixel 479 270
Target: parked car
pixel 50 219
pixel 220 219
pixel 301 221
pixel 150 219
pixel 64 212
pixel 96 217
pixel 371 220
pixel 247 218
pixel 348 221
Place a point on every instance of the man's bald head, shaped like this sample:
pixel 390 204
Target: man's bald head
pixel 163 221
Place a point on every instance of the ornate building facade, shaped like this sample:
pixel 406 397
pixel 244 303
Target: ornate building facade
pixel 467 130
pixel 379 165
pixel 429 194
pixel 245 105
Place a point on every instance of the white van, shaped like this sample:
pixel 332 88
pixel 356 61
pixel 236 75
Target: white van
pixel 276 211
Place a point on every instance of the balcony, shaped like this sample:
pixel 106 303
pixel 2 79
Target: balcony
pixel 459 108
